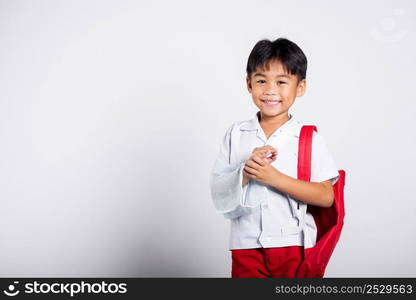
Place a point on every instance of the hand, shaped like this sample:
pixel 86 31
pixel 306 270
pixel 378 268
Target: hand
pixel 268 153
pixel 258 165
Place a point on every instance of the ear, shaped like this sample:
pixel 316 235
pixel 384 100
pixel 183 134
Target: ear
pixel 249 87
pixel 301 88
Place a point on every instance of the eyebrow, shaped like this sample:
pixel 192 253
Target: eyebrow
pixel 280 75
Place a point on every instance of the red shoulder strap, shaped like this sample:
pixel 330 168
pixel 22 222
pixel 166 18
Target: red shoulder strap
pixel 305 152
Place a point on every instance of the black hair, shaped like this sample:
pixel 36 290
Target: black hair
pixel 286 52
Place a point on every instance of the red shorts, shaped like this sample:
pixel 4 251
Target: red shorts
pixel 266 262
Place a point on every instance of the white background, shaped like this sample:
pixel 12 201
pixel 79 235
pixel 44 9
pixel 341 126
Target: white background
pixel 112 114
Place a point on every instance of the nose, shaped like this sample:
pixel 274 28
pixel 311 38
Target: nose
pixel 270 90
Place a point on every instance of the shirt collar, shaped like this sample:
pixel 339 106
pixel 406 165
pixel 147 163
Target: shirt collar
pixel 292 125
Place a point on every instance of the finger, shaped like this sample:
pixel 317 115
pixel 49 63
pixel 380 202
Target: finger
pixel 251 171
pixel 273 154
pixel 249 175
pixel 270 160
pixel 266 147
pixel 258 160
pixel 252 164
pixel 269 154
pixel 262 153
pixel 266 150
pixel 271 149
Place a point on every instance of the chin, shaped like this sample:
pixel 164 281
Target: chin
pixel 273 114
pixel 270 113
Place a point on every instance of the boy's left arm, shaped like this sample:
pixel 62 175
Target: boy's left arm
pixel 313 193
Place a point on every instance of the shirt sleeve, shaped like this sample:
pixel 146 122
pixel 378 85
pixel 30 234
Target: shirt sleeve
pixel 226 178
pixel 323 164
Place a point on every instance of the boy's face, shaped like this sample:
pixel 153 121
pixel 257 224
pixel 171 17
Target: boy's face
pixel 274 91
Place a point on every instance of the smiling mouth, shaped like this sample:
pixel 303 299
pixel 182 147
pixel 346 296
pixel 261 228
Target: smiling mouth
pixel 271 103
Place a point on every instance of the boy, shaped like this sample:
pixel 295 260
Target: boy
pixel 254 179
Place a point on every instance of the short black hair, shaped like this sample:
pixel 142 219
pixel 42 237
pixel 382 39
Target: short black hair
pixel 286 52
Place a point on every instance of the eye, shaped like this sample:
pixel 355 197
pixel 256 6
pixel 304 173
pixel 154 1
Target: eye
pixel 282 82
pixel 261 81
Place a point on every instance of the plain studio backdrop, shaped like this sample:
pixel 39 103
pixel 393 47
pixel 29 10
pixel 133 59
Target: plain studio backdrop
pixel 112 114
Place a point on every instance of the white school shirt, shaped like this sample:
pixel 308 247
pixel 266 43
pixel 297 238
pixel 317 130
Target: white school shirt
pixel 260 215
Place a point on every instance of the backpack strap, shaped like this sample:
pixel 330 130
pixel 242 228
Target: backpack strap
pixel 305 152
pixel 304 166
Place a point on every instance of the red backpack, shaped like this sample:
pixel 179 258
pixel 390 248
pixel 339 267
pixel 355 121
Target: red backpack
pixel 329 220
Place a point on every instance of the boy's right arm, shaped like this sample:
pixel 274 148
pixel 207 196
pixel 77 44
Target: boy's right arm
pixel 227 180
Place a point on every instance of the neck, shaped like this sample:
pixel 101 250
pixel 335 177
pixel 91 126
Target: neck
pixel 273 121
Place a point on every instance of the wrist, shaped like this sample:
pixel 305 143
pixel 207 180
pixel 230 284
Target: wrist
pixel 276 179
